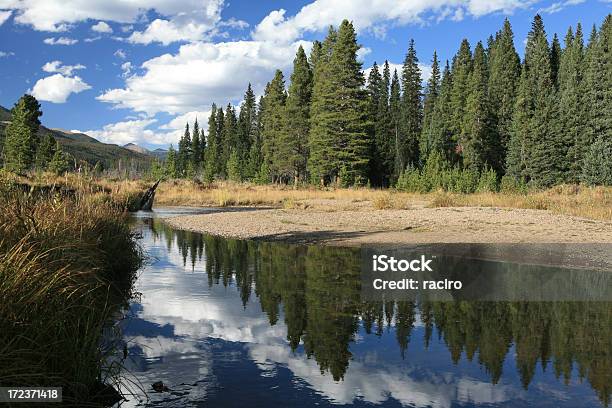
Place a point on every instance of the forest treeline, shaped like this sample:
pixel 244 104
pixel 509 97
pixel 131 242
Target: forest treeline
pixel 483 118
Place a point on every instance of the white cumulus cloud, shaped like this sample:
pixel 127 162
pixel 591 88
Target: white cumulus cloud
pixel 139 131
pixel 57 66
pixel 200 74
pixel 367 14
pixel 60 41
pixel 57 88
pixel 6 54
pixel 5 15
pixel 183 20
pixel 101 27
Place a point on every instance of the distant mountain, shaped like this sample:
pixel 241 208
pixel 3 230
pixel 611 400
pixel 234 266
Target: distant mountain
pixel 135 148
pixel 159 153
pixel 84 147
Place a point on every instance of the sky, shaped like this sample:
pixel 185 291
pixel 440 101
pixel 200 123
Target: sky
pixel 136 71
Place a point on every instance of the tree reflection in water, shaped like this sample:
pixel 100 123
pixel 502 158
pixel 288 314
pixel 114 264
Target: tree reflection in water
pixel 318 289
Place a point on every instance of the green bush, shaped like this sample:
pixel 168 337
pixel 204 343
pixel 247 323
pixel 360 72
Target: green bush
pixel 487 181
pixel 512 185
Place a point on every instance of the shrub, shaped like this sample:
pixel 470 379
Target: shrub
pixel 487 181
pixel 512 185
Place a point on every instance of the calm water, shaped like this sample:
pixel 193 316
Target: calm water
pixel 226 323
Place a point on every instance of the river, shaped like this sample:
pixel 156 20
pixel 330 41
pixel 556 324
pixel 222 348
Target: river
pixel 227 323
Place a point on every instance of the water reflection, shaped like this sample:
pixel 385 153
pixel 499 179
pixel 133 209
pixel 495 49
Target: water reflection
pixel 229 323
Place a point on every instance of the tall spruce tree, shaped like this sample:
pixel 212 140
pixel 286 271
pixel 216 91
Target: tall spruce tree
pixel 273 122
pixel 211 152
pixel 323 159
pixel 542 148
pixel 170 165
pixel 183 158
pixel 504 75
pixel 196 147
pixel 59 161
pixel 229 138
pixel 293 146
pixel 572 112
pixel 460 69
pixel 44 152
pixel 247 131
pixel 348 109
pixel 597 87
pixel 432 92
pixel 20 141
pixel 477 140
pixel 383 152
pixel 516 157
pixel 440 131
pixel 219 136
pixel 411 112
pixel 374 90
pixel 395 112
pixel 555 58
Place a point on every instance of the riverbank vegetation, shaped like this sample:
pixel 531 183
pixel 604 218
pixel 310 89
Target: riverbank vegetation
pixel 67 263
pixel 589 202
pixel 483 121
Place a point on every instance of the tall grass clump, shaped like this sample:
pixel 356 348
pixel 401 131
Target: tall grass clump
pixel 67 265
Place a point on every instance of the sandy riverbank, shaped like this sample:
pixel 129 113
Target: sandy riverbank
pixel 334 226
pixel 329 224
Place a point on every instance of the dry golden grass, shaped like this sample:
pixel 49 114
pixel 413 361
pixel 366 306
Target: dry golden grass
pixel 581 201
pixel 587 202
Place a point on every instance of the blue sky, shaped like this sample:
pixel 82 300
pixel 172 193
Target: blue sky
pixel 135 71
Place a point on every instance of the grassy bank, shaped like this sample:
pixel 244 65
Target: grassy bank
pixel 67 263
pixel 581 201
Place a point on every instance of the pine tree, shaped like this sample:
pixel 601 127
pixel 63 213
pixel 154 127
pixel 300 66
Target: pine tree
pixel 477 140
pixel 323 159
pixel 183 157
pixel 460 70
pixel 255 153
pixel 273 122
pixel 171 170
pixel 211 152
pixel 196 146
pixel 572 112
pixel 229 137
pixel 219 137
pixel 516 157
pixel 32 117
pixel 555 58
pixel 44 152
pixel 293 146
pixel 440 131
pixel 247 130
pixel 383 133
pixel 349 107
pixel 411 112
pixel 542 147
pixel 59 162
pixel 19 145
pixel 395 108
pixel 432 91
pixel 374 90
pixel 505 72
pixel 598 84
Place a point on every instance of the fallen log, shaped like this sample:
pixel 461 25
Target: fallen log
pixel 146 202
